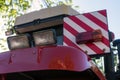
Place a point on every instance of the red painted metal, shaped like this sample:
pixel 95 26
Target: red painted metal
pixel 43 58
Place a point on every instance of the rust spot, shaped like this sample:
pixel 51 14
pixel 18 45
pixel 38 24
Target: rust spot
pixel 62 63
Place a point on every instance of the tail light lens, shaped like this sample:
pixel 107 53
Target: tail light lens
pixel 42 38
pixel 89 36
pixel 17 42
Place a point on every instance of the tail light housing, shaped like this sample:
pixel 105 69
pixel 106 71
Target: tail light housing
pixel 45 37
pixel 89 36
pixel 17 42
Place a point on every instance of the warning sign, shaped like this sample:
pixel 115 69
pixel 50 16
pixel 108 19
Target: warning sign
pixel 88 23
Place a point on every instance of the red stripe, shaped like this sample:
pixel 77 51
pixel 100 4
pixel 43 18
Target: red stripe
pixel 81 23
pixel 70 43
pixel 70 29
pixel 91 46
pixel 103 12
pixel 74 32
pixel 95 48
pixel 97 21
pixel 87 28
pixel 106 42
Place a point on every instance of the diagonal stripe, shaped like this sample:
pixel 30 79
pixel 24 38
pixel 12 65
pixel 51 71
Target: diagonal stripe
pixel 70 29
pixel 70 43
pixel 82 48
pixel 70 35
pixel 95 48
pixel 100 45
pixel 100 17
pixel 86 48
pixel 96 20
pixel 93 25
pixel 72 38
pixel 103 12
pixel 74 25
pixel 106 41
pixel 80 23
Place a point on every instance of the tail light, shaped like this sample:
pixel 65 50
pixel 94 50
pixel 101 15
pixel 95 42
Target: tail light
pixel 17 42
pixel 42 38
pixel 90 36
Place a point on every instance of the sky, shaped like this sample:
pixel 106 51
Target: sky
pixel 113 11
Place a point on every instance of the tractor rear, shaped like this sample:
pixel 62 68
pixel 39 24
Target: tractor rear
pixel 57 43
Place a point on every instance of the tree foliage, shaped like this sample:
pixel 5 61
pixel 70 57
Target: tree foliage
pixel 9 10
pixel 51 3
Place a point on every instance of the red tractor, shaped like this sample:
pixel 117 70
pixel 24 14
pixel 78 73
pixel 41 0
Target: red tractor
pixel 46 47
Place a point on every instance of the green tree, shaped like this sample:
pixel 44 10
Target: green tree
pixel 51 3
pixel 9 10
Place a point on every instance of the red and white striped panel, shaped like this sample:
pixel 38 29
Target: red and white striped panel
pixel 83 23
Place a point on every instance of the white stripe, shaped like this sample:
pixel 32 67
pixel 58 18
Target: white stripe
pixel 83 46
pixel 100 17
pixel 74 25
pixel 78 28
pixel 65 44
pixel 102 46
pixel 86 48
pixel 93 25
pixel 69 35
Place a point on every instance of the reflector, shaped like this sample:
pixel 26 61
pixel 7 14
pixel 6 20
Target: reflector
pixel 89 36
pixel 16 42
pixel 97 35
pixel 42 38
